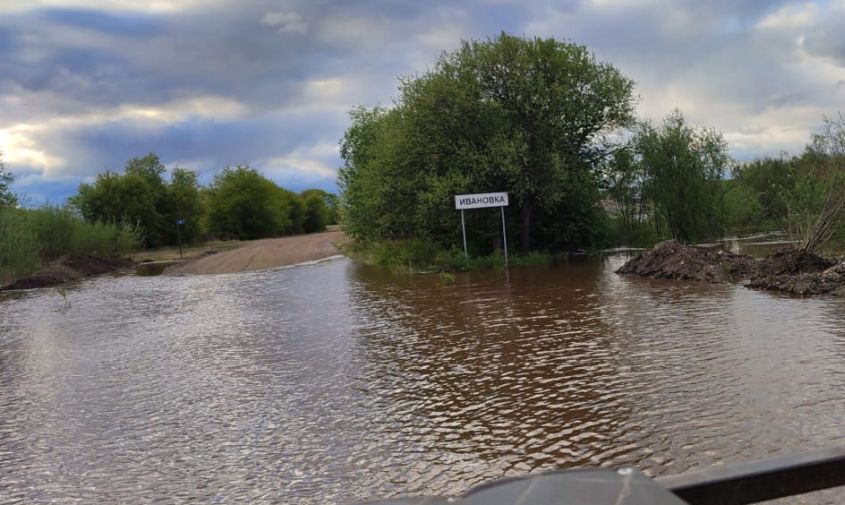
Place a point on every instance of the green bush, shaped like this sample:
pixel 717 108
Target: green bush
pixel 417 255
pixel 615 233
pixel 31 237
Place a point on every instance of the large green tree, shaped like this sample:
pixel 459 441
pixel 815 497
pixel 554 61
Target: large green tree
pixel 317 211
pixel 529 116
pixel 244 204
pixel 684 167
pixel 141 197
pixel 115 197
pixel 182 202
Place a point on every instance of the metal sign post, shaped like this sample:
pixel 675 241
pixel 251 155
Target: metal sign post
pixel 179 223
pixel 483 201
pixel 464 230
pixel 504 235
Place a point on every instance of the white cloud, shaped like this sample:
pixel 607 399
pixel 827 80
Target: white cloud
pixel 285 22
pixel 791 16
pixel 21 146
pixel 20 149
pixel 305 164
pixel 444 37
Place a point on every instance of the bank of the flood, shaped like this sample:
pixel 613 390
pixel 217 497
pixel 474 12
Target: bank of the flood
pixel 215 259
pixel 69 268
pixel 787 270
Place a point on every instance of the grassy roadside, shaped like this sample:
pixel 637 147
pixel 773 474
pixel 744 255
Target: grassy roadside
pixel 32 238
pixel 418 256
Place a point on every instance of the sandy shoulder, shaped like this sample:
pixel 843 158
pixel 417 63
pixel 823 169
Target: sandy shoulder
pixel 264 254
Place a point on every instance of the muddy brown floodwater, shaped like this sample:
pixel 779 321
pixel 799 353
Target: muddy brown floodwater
pixel 336 382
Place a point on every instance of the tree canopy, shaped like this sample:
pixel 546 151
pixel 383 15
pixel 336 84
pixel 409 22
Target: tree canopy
pixel 529 116
pixel 140 196
pixel 683 168
pixel 244 204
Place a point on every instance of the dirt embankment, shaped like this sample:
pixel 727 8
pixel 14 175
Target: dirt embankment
pixel 788 270
pixel 673 260
pixel 70 268
pixel 264 254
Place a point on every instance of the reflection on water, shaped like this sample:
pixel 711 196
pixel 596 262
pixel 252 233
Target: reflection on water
pixel 758 246
pixel 337 382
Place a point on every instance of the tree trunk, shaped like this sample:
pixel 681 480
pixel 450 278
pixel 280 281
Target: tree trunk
pixel 527 211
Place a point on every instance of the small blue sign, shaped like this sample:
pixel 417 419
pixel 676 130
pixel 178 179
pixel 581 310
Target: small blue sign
pixel 180 221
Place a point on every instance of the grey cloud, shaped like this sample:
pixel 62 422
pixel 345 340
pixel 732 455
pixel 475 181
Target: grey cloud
pixel 292 70
pixel 827 41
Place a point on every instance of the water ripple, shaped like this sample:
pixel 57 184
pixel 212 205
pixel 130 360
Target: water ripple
pixel 337 382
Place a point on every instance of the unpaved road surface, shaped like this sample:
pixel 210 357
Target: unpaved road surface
pixel 264 254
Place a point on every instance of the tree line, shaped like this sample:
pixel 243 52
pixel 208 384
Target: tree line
pixel 678 180
pixel 547 122
pixel 240 203
pixel 140 207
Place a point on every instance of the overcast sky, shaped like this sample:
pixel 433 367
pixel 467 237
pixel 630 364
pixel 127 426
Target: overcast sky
pixel 87 84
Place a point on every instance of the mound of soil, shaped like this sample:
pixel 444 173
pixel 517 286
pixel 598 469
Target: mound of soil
pixel 791 261
pixel 674 260
pixel 790 271
pixel 70 268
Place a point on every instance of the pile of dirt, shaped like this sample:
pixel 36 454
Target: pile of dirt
pixel 70 268
pixel 674 260
pixel 791 261
pixel 788 270
pixel 800 273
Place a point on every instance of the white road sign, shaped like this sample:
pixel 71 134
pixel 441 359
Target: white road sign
pixel 481 201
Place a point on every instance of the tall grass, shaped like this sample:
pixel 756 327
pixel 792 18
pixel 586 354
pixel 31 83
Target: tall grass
pixel 31 237
pixel 18 246
pixel 416 255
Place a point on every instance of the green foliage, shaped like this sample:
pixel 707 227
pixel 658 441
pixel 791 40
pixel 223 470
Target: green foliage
pixel 683 167
pixel 243 204
pixel 114 198
pixel 182 201
pixel 7 197
pixel 317 211
pixel 18 246
pixel 816 202
pixel 625 180
pixel 30 237
pixel 767 180
pixel 140 196
pixel 742 208
pixel 670 180
pixel 526 115
pixel 415 255
pixel 295 208
pixel 805 194
pixel 59 231
pixel 615 232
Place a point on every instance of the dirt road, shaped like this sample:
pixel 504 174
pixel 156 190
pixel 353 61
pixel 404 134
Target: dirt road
pixel 264 254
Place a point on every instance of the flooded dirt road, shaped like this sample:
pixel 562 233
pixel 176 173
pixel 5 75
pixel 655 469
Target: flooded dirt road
pixel 265 254
pixel 337 382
